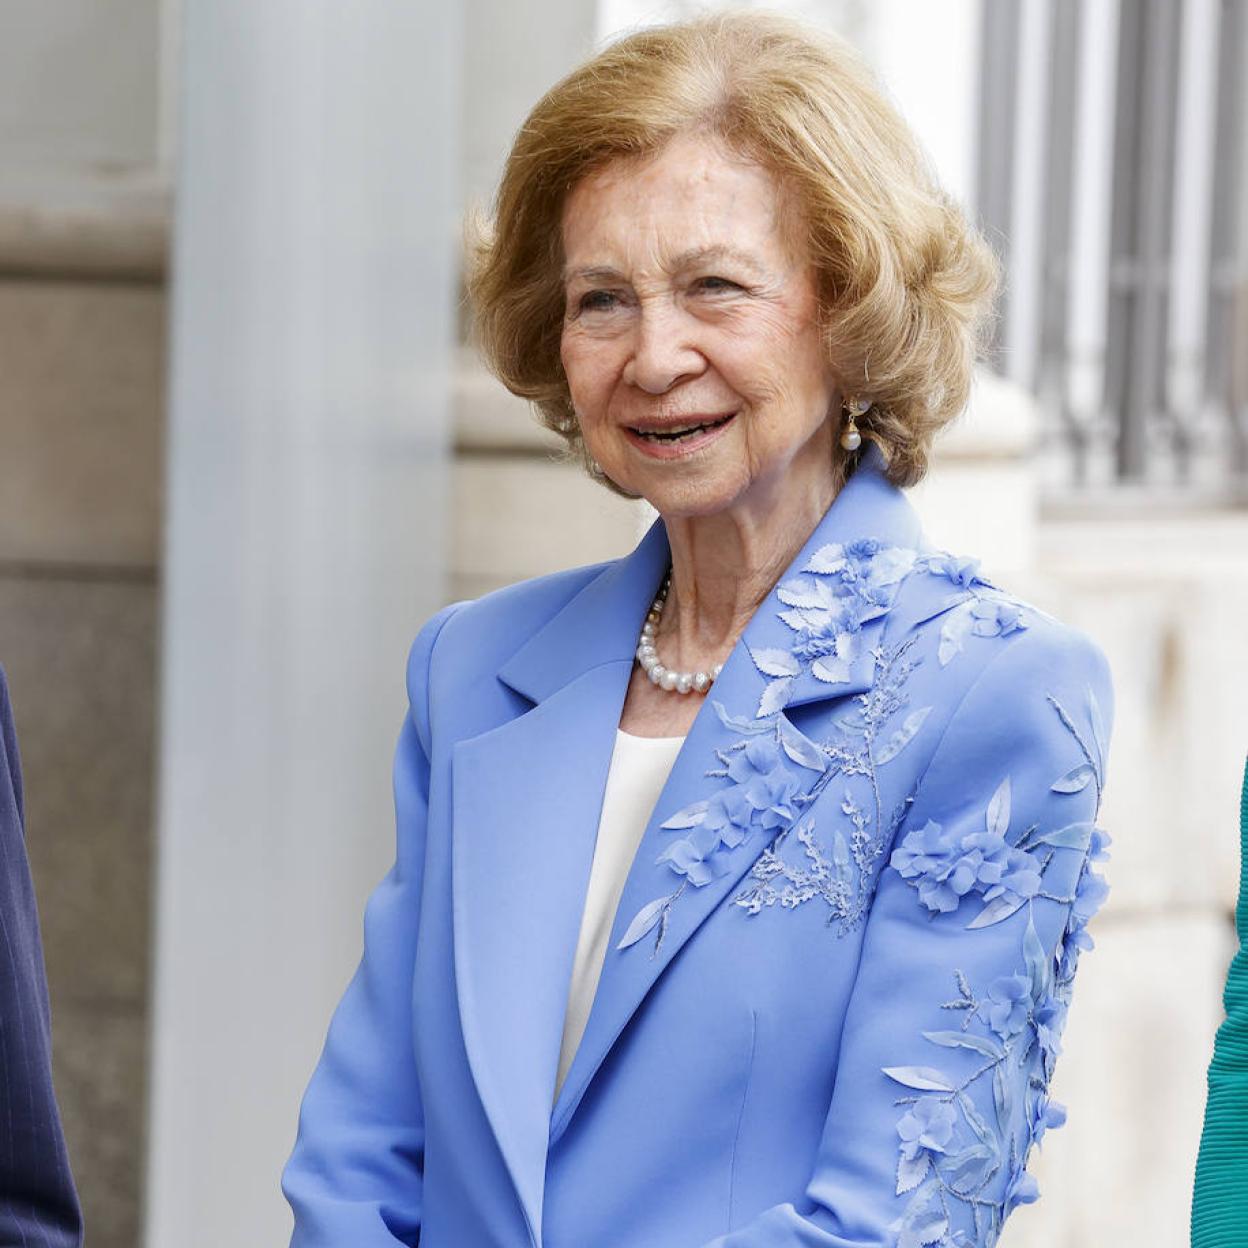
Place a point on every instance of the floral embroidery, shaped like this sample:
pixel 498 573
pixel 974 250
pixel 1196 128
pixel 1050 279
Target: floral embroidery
pixel 860 750
pixel 926 1129
pixel 959 569
pixel 948 1151
pixel 764 793
pixel 847 586
pixel 980 609
pixel 842 588
pixel 945 866
pixel 774 771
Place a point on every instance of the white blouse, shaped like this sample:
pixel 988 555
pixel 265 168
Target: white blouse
pixel 639 769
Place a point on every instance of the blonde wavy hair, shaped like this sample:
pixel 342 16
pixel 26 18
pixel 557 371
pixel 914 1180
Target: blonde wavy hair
pixel 906 285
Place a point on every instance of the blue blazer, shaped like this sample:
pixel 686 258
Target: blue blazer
pixel 841 963
pixel 38 1201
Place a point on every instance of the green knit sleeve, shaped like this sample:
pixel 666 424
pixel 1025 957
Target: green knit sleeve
pixel 1220 1200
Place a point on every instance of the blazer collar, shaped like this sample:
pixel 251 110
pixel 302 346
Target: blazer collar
pixel 527 796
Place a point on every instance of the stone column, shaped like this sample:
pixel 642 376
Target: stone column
pixel 316 237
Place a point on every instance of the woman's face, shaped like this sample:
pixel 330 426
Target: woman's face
pixel 684 305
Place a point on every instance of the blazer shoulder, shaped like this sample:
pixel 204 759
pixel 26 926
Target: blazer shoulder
pixel 975 634
pixel 498 621
pixel 944 594
pixel 471 635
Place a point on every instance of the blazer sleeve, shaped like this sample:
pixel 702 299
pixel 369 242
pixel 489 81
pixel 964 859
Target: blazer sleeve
pixel 38 1201
pixel 356 1173
pixel 966 967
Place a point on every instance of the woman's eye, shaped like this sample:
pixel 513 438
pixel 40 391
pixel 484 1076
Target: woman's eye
pixel 717 283
pixel 595 301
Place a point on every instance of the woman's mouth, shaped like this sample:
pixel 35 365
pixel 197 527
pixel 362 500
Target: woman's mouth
pixel 679 438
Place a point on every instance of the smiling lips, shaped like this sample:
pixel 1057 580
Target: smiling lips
pixel 677 431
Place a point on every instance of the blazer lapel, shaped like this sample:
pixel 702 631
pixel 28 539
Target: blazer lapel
pixel 527 797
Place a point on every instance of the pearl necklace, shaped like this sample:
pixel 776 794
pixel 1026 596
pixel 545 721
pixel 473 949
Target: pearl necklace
pixel 648 656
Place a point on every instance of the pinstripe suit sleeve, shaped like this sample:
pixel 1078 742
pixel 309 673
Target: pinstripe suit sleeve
pixel 38 1202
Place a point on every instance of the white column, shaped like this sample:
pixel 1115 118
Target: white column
pixel 1025 260
pixel 1191 228
pixel 1092 187
pixel 313 311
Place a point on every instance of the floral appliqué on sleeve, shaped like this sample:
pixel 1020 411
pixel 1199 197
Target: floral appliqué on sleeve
pixel 978 608
pixel 949 1151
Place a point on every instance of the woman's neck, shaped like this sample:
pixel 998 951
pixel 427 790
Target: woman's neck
pixel 724 565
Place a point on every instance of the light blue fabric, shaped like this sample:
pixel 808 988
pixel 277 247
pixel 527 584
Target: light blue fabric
pixel 841 963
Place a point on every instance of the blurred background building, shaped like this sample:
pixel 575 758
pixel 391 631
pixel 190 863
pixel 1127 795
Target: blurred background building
pixel 245 450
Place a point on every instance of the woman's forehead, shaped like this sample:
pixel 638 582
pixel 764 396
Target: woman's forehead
pixel 690 203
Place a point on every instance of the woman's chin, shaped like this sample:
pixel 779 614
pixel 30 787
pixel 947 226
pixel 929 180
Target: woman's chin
pixel 693 494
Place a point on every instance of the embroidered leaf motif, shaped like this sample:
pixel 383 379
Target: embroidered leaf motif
pixel 999 810
pixel 833 669
pixel 911 1171
pixel 796 620
pixel 1091 760
pixel 966 1040
pixel 643 921
pixel 982 1130
pixel 800 748
pixel 1036 960
pixel 967 1170
pixel 922 1077
pixel 829 558
pixel 775 696
pixel 1001 1096
pixel 1075 779
pixel 690 817
pixel 800 593
pixel 903 736
pixel 750 727
pixel 998 909
pixel 925 1221
pixel 772 662
pixel 840 857
pixel 953 631
pixel 1072 836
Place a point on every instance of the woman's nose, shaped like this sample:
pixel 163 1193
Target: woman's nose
pixel 663 352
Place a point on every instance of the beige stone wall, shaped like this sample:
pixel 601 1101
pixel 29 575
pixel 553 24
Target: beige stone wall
pixel 1164 588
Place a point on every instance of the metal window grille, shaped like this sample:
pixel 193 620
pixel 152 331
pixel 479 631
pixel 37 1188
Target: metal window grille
pixel 1113 145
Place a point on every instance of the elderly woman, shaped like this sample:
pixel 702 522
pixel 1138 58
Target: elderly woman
pixel 741 880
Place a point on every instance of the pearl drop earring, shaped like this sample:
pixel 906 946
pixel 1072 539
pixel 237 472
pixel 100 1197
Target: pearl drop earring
pixel 851 439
